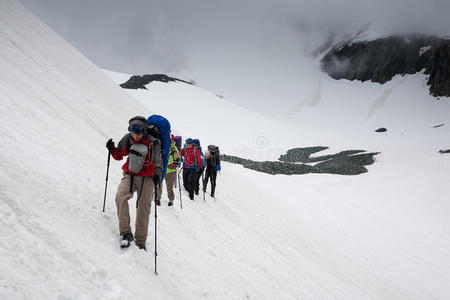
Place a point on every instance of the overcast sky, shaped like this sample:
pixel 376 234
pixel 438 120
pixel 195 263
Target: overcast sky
pixel 249 51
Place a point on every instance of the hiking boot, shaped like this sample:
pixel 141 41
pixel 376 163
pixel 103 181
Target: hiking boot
pixel 158 202
pixel 141 247
pixel 127 238
pixel 170 203
pixel 196 192
pixel 191 196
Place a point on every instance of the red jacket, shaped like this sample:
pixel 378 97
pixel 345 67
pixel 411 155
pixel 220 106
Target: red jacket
pixel 190 156
pixel 123 150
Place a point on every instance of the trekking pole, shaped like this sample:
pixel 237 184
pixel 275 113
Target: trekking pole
pixel 203 184
pixel 179 188
pixel 156 234
pixel 175 184
pixel 106 180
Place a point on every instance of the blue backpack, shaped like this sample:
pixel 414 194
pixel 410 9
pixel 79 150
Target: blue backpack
pixel 163 126
pixel 196 143
pixel 202 156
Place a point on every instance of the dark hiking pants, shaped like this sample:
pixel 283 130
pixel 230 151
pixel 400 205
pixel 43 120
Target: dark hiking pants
pixel 197 180
pixel 189 181
pixel 210 173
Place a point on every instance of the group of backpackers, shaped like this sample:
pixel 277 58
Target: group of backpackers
pixel 194 165
pixel 153 155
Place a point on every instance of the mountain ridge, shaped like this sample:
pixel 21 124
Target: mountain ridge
pixel 381 59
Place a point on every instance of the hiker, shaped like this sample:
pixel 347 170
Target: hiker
pixel 141 173
pixel 198 175
pixel 185 182
pixel 171 173
pixel 212 156
pixel 191 165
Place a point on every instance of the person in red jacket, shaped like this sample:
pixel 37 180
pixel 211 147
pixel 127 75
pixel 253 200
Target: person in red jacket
pixel 141 173
pixel 191 165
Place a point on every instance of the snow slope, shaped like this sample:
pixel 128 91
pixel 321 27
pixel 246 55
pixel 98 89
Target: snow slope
pixel 380 235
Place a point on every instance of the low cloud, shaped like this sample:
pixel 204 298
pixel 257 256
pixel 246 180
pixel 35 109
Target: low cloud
pixel 250 51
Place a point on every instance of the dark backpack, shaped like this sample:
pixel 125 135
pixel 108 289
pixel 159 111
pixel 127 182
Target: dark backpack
pixel 215 155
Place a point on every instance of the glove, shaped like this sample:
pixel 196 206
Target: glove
pixel 110 145
pixel 218 168
pixel 197 169
pixel 156 179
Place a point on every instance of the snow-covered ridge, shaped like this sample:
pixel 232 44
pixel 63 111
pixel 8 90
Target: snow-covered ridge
pixel 381 59
pixel 424 49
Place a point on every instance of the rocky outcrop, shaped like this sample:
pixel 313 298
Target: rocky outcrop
pixel 439 71
pixel 139 82
pixel 380 60
pixel 350 162
pixel 269 167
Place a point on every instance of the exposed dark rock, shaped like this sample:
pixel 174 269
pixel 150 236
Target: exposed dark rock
pixel 351 162
pixel 439 71
pixel 303 155
pixel 270 167
pixel 444 151
pixel 380 60
pixel 346 165
pixel 437 126
pixel 139 82
pixel 382 129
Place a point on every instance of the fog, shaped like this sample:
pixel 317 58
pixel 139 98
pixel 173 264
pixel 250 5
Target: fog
pixel 251 52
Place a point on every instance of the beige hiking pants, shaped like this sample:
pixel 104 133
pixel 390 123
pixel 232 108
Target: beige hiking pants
pixel 170 181
pixel 144 187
